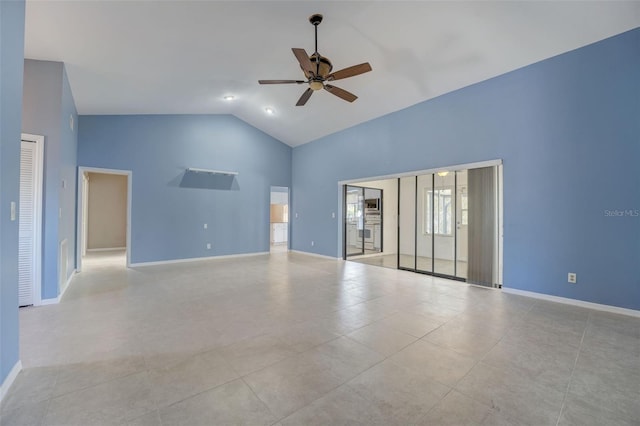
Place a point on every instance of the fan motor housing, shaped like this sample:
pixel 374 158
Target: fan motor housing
pixel 315 19
pixel 324 67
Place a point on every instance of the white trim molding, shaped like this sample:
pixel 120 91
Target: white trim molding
pixel 452 168
pixel 63 289
pixel 322 256
pixel 52 301
pixel 106 249
pixel 66 284
pixel 197 259
pixel 574 302
pixel 11 377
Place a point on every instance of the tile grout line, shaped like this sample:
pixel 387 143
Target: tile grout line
pixel 575 363
pixel 479 362
pixel 48 400
pixel 148 369
pixel 436 404
pixel 451 388
pixel 46 412
pixel 344 383
pixel 196 394
pixel 261 401
pixel 311 402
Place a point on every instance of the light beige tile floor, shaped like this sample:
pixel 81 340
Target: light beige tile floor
pixel 421 263
pixel 298 340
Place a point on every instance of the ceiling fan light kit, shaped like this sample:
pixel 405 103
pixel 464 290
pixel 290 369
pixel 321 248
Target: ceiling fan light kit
pixel 317 71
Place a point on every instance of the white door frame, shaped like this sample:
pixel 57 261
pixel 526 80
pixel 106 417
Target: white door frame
pixel 500 224
pixel 38 179
pixel 79 210
pixel 85 213
pixel 271 191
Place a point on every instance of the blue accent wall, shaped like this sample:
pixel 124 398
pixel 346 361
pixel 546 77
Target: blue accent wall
pixel 11 68
pixel 169 206
pixel 568 131
pixel 48 105
pixel 68 171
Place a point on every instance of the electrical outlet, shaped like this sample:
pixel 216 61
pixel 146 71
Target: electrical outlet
pixel 208 246
pixel 312 243
pixel 572 277
pixel 333 215
pixel 206 226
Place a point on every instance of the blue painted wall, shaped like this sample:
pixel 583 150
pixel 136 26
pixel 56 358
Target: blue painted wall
pixel 11 67
pixel 48 104
pixel 568 130
pixel 68 172
pixel 170 207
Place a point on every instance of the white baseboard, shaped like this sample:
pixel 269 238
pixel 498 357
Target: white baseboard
pixel 322 256
pixel 196 259
pixel 66 285
pixel 8 381
pixel 106 249
pixel 51 301
pixel 64 288
pixel 574 302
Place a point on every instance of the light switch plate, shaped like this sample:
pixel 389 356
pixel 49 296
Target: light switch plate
pixel 13 210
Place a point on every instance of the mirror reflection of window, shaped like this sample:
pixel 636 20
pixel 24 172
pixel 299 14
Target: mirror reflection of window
pixel 464 206
pixel 442 211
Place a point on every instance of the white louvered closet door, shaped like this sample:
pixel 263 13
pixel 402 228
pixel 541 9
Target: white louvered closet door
pixel 26 246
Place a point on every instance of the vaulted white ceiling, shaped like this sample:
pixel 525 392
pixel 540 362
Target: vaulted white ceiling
pixel 182 57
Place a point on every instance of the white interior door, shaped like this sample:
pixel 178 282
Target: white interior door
pixel 27 224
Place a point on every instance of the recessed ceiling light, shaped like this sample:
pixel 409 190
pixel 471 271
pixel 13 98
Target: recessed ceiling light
pixel 269 110
pixel 229 97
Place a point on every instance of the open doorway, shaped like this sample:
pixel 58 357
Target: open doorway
pixel 104 215
pixel 279 219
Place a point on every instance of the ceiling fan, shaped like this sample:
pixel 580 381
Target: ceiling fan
pixel 317 71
